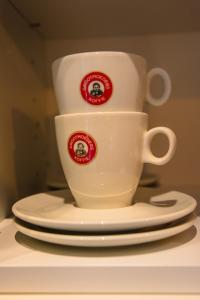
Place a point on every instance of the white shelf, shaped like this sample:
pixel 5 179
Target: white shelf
pixel 168 266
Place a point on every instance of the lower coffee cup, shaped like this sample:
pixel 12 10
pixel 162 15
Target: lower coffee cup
pixel 102 155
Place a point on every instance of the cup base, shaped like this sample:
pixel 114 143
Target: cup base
pixel 104 201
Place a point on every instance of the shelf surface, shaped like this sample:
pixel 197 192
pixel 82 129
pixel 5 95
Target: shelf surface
pixel 18 250
pixel 168 266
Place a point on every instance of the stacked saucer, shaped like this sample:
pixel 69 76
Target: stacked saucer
pixel 55 218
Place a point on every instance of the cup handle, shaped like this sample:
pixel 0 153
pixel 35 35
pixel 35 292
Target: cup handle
pixel 167 86
pixel 148 156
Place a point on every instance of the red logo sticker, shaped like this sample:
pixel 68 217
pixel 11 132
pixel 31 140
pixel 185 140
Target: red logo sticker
pixel 82 147
pixel 96 88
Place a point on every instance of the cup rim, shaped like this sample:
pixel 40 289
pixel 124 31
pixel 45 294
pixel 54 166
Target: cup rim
pixel 105 52
pixel 107 113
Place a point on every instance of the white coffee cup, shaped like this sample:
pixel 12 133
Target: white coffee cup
pixel 105 81
pixel 102 155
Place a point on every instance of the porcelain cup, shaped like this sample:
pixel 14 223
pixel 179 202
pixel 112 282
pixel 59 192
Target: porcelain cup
pixel 102 155
pixel 105 81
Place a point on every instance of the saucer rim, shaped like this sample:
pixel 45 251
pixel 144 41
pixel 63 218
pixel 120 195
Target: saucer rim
pixel 100 224
pixel 122 238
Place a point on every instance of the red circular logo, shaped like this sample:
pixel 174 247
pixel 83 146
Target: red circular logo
pixel 81 147
pixel 96 88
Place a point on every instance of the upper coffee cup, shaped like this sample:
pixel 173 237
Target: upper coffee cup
pixel 105 81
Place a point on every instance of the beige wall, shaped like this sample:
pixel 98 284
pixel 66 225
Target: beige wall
pixel 179 54
pixel 22 110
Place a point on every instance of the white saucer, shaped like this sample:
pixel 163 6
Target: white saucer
pixel 56 210
pixel 106 240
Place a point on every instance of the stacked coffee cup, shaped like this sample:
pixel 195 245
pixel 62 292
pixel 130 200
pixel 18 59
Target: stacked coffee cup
pixel 101 131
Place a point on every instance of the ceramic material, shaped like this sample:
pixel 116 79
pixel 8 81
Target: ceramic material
pixel 147 180
pixel 105 81
pixel 57 210
pixel 102 155
pixel 123 239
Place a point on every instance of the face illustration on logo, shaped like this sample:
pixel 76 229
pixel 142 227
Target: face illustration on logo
pixel 96 88
pixel 80 150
